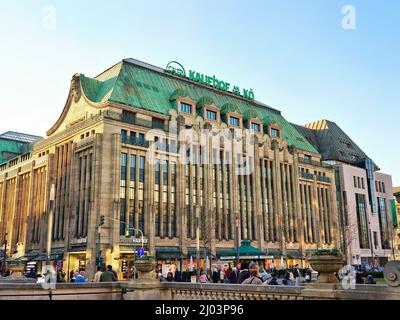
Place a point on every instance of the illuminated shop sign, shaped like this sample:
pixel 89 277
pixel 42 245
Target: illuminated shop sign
pixel 177 69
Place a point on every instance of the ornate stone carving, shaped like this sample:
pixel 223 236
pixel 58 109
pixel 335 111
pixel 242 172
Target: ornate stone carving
pixel 392 273
pixel 76 87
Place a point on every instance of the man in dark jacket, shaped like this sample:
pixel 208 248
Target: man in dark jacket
pixel 215 276
pixel 273 281
pixel 244 273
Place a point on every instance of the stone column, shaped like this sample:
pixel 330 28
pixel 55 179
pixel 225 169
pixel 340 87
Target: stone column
pixel 95 207
pixel 278 199
pixel 315 210
pixel 257 199
pixel 298 216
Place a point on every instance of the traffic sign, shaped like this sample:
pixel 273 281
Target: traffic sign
pixel 140 252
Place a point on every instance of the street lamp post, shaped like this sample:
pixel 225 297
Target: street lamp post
pixel 50 223
pixel 237 240
pixel 197 243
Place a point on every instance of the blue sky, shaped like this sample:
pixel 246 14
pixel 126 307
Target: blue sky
pixel 294 54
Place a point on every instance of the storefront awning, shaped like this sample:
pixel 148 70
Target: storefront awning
pixel 168 253
pixel 15 257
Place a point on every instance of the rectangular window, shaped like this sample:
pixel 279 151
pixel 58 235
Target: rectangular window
pixel 355 181
pixel 123 136
pixel 362 183
pixel 307 158
pixel 234 121
pixel 275 133
pixel 255 127
pixel 141 138
pixel 358 182
pixel 141 169
pixel 186 107
pixel 362 221
pixel 157 123
pixel 211 115
pixel 383 223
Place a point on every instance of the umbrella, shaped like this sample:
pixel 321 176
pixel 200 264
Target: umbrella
pixel 191 264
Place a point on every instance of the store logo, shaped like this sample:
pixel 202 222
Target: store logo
pixel 176 68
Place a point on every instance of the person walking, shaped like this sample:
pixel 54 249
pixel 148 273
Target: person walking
pixel 254 275
pixel 108 275
pixel 244 273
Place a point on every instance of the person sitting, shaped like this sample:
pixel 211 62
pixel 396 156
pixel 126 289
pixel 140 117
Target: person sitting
pixel 31 274
pixel 170 277
pixel 108 275
pixel 80 277
pixel 286 279
pixel 203 278
pixel 244 273
pixel 370 279
pixel 273 281
pixel 254 275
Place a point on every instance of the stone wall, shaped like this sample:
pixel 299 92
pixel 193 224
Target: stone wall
pixel 189 291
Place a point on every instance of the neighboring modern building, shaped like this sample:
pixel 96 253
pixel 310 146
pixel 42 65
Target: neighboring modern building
pixel 128 148
pixel 13 144
pixel 396 210
pixel 364 195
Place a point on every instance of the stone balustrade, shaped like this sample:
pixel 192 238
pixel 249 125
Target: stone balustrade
pixel 187 291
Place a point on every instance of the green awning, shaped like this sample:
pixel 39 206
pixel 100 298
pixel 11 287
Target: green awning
pixel 168 252
pixel 394 214
pixel 246 250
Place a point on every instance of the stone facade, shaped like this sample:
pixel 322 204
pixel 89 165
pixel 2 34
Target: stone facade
pixel 126 163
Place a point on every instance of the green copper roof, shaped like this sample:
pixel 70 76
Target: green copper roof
pixel 10 149
pixel 149 88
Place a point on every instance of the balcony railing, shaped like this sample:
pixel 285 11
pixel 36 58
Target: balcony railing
pixel 310 176
pixel 136 141
pixel 323 179
pixel 306 175
pixel 314 163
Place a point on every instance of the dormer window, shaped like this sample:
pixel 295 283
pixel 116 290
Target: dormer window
pixel 275 133
pixel 185 107
pixel 211 115
pixel 255 127
pixel 234 121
